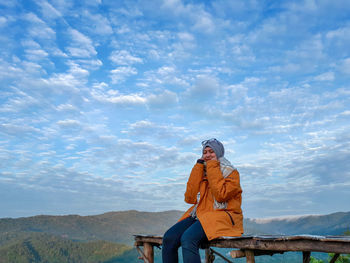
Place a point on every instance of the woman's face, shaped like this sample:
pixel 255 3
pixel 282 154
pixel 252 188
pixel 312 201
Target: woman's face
pixel 209 154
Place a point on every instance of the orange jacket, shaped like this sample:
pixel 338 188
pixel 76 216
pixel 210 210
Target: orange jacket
pixel 220 222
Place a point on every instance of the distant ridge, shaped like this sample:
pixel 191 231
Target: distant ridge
pixel 331 224
pixel 112 226
pixel 121 226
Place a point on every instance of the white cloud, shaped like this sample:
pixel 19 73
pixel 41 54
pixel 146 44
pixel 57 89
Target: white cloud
pixel 200 20
pixel 186 37
pixel 48 10
pixel 39 28
pixel 123 57
pixel 148 129
pixel 82 46
pixel 98 24
pixel 17 129
pixel 70 81
pixel 165 99
pixel 327 76
pixel 344 66
pixel 69 123
pixel 121 73
pixel 113 96
pixel 204 22
pixel 67 107
pixel 205 87
pixel 164 75
pixel 36 54
pixel 3 21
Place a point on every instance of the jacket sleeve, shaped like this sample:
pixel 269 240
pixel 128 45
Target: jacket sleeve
pixel 222 188
pixel 193 183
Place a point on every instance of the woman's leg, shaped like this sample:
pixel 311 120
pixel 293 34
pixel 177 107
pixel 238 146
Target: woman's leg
pixel 190 242
pixel 172 240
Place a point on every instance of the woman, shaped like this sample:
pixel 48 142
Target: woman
pixel 215 192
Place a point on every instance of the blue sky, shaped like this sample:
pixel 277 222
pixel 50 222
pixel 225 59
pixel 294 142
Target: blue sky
pixel 103 104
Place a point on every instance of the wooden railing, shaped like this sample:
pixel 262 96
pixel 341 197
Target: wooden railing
pixel 251 246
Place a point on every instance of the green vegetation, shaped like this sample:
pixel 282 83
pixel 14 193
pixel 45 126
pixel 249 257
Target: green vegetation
pixel 40 247
pixel 341 259
pixel 118 227
pixel 102 238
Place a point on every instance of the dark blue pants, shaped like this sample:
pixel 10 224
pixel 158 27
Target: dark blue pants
pixel 188 234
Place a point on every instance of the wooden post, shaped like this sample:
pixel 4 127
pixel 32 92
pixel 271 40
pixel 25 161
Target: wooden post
pixel 335 257
pixel 306 256
pixel 148 251
pixel 249 256
pixel 209 257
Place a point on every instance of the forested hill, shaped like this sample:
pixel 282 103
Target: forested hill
pixel 109 237
pixel 121 226
pixel 113 226
pixel 42 247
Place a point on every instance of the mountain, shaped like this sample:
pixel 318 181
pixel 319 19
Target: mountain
pixel 113 226
pixel 99 238
pixel 121 226
pixel 41 247
pixel 332 224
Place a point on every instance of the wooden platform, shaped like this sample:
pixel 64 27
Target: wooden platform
pixel 251 246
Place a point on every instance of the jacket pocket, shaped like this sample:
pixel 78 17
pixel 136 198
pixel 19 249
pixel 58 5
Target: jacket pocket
pixel 233 222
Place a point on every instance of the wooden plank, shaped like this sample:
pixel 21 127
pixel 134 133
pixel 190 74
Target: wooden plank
pixel 149 239
pixel 283 245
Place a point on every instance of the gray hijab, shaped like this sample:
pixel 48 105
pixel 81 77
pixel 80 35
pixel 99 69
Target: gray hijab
pixel 217 147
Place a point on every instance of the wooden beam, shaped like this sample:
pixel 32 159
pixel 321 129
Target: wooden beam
pixel 284 245
pixel 220 255
pixel 237 254
pixel 241 254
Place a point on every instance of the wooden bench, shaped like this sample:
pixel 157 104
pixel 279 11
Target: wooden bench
pixel 251 246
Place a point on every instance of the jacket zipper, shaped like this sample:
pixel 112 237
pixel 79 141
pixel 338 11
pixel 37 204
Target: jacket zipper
pixel 233 223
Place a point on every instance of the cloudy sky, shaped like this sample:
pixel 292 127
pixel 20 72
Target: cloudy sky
pixel 103 104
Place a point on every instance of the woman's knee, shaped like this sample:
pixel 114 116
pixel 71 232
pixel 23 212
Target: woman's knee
pixel 170 238
pixel 187 241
